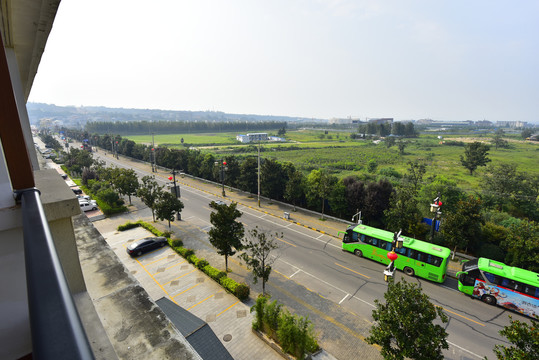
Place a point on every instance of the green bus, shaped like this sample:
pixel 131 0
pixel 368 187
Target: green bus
pixel 416 257
pixel 498 284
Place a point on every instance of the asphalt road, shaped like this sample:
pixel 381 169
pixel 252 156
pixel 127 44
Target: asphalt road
pixel 314 277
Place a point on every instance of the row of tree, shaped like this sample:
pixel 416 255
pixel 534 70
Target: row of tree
pixel 385 129
pixel 177 127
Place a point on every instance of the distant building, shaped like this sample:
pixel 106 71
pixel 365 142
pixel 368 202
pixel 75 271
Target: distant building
pixel 511 124
pixel 381 120
pixel 483 123
pixel 276 138
pixel 344 121
pixel 247 138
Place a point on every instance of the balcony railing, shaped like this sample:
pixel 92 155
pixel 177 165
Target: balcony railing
pixel 57 331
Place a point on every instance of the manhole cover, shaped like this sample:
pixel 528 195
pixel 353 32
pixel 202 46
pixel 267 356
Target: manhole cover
pixel 227 337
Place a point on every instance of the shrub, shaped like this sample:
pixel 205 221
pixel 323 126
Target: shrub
pixel 241 291
pixel 294 334
pixel 259 308
pixel 192 259
pixel 213 272
pixel 175 243
pixel 128 225
pixel 185 252
pixel 202 263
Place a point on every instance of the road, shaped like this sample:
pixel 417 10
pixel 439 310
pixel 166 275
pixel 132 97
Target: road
pixel 315 261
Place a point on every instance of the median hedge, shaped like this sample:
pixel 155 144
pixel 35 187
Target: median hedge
pixel 240 290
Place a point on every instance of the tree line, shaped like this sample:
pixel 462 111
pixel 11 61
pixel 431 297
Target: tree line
pixel 176 127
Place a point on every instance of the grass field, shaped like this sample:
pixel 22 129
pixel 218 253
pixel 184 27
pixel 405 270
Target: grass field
pixel 335 151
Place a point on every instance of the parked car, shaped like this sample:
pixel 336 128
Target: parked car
pixel 83 197
pixel 64 176
pixel 88 205
pixel 147 244
pixel 77 191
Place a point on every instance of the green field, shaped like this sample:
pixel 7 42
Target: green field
pixel 336 152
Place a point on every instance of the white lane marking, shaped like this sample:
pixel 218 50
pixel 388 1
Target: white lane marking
pixel 328 284
pixel 299 232
pixel 463 349
pixel 345 296
pixel 295 273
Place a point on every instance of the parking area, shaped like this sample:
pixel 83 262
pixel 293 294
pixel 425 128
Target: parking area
pixel 163 273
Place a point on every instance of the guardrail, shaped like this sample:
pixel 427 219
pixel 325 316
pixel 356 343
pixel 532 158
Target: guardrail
pixel 57 331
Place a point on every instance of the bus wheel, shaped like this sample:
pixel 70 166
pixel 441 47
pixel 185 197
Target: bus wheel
pixel 491 300
pixel 408 271
pixel 358 253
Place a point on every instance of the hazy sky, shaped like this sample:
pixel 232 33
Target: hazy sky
pixel 406 59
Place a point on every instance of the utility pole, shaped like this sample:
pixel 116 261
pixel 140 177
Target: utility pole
pixel 152 155
pixel 258 173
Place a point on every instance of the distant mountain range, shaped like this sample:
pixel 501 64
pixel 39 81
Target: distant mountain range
pixel 72 116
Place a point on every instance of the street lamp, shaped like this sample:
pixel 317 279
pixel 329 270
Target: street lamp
pixel 222 163
pixel 176 188
pixel 437 214
pixel 397 243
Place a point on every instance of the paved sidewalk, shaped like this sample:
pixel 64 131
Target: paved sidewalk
pixel 164 273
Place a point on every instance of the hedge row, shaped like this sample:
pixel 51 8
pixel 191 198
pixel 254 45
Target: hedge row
pixel 240 290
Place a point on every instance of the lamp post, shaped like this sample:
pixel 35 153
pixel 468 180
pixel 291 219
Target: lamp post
pixel 258 173
pixel 222 163
pixel 397 243
pixel 176 188
pixel 437 214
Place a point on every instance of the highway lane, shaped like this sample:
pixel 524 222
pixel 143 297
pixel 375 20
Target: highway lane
pixel 317 262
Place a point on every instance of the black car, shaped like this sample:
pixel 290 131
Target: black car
pixel 144 245
pixel 77 191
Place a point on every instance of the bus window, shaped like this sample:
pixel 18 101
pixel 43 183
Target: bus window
pixel 385 245
pixel 531 290
pixel 362 237
pixel 374 241
pixel 494 279
pixel 401 251
pixel 437 261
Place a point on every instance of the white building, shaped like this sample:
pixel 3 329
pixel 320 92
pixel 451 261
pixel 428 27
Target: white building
pixel 254 137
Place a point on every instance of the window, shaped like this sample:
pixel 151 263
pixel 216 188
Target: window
pixel 531 290
pixel 494 279
pixel 401 251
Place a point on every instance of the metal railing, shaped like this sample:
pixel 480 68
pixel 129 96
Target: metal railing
pixel 57 331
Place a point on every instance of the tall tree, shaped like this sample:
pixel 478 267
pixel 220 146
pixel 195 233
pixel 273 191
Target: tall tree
pixel 522 245
pixel 127 183
pixel 498 140
pixel 475 155
pixel 258 247
pixel 149 192
pixel 273 179
pixel 167 206
pixel 462 228
pixel 403 213
pixel 404 325
pixel 319 184
pixel 524 338
pixel 295 188
pixel 227 232
pixel 248 180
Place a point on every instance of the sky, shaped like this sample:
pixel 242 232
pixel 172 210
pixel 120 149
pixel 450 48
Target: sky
pixel 405 59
